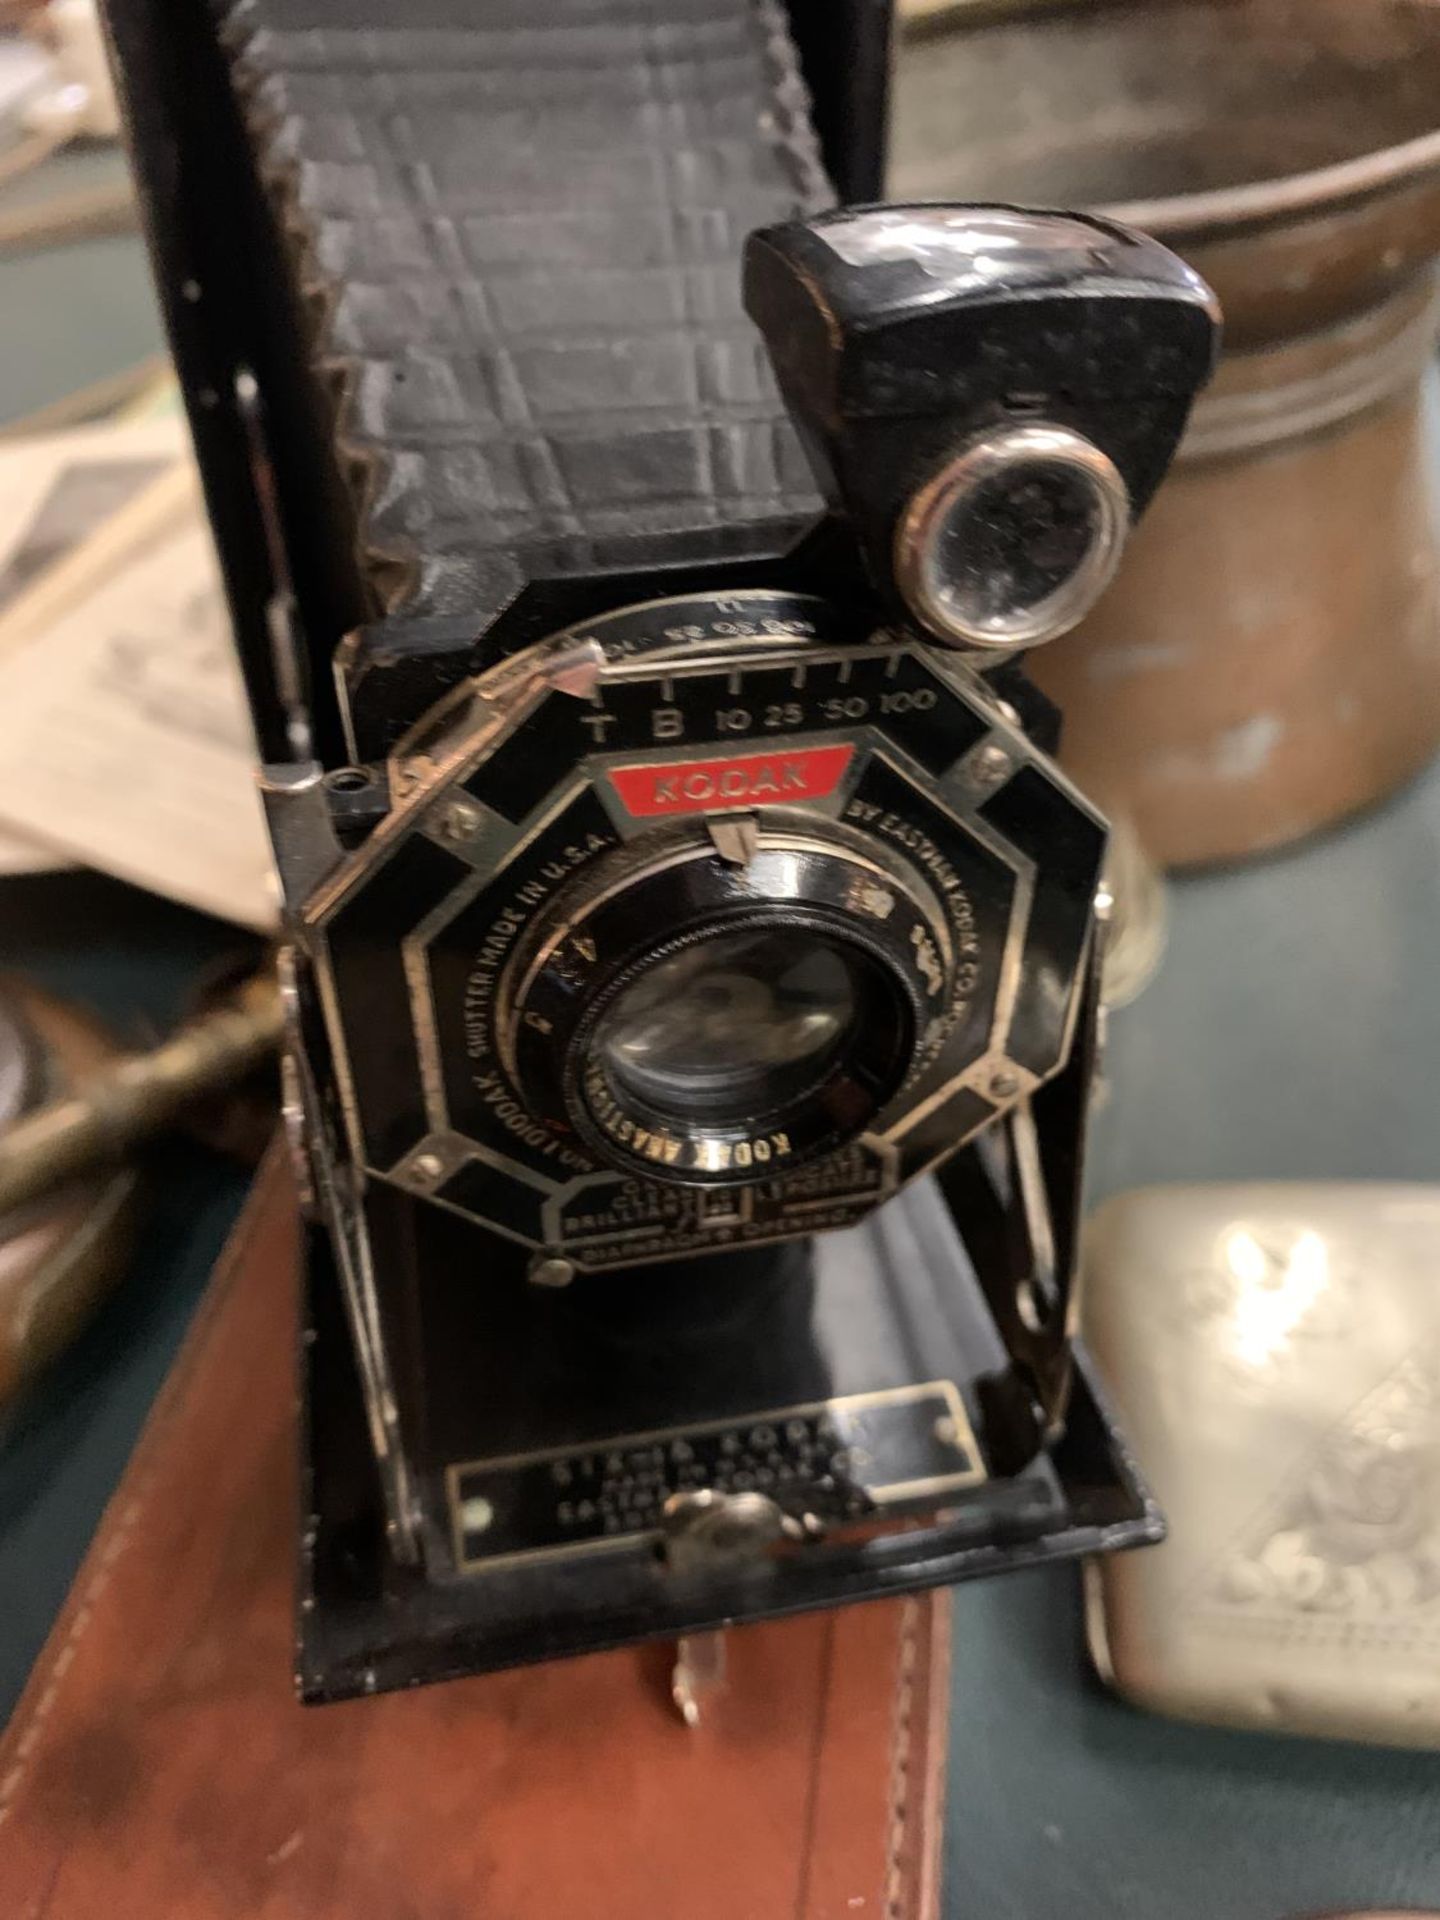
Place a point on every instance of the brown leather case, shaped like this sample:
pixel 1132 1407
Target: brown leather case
pixel 158 1764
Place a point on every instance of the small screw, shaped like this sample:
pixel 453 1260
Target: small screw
pixel 426 1167
pixel 551 1271
pixel 1004 1085
pixel 460 821
pixel 991 765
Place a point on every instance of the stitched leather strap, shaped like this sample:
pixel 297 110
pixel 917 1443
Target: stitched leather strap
pixel 158 1763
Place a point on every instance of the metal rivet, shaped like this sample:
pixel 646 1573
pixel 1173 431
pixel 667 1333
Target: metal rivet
pixel 1004 1085
pixel 426 1167
pixel 991 764
pixel 476 1513
pixel 551 1271
pixel 461 820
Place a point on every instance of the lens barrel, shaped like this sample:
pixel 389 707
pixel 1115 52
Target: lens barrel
pixel 734 1022
pixel 776 1013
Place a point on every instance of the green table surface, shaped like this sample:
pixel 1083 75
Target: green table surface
pixel 1294 1030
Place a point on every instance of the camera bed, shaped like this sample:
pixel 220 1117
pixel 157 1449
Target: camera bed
pixel 889 1303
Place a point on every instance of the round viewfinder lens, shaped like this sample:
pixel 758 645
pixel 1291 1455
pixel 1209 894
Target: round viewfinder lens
pixel 1016 541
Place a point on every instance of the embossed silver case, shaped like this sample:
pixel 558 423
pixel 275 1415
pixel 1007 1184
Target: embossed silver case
pixel 1275 1351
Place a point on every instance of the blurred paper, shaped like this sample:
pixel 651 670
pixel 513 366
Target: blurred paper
pixel 55 492
pixel 24 69
pixel 28 856
pixel 127 742
pixel 56 489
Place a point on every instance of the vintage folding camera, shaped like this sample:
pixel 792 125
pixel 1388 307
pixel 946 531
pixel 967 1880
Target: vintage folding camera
pixel 691 946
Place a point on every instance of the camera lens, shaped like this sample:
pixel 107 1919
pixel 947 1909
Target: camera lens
pixel 1013 541
pixel 742 1047
pixel 739 1026
pixel 775 1016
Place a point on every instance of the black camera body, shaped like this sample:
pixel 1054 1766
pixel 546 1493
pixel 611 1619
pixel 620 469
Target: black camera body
pixel 676 872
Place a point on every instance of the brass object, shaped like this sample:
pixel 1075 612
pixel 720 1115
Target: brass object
pixel 73 1106
pixel 1268 659
pixel 59 1254
pixel 108 1112
pixel 56 1265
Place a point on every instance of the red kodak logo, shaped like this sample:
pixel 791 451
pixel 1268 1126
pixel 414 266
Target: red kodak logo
pixel 747 780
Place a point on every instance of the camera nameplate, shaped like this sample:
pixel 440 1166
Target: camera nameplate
pixel 850 1461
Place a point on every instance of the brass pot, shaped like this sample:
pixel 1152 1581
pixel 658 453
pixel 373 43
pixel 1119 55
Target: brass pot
pixel 1269 658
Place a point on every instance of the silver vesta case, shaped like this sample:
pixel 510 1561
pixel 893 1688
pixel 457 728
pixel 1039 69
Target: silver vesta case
pixel 1275 1350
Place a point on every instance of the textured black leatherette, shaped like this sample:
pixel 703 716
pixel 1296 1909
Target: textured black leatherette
pixel 515 228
